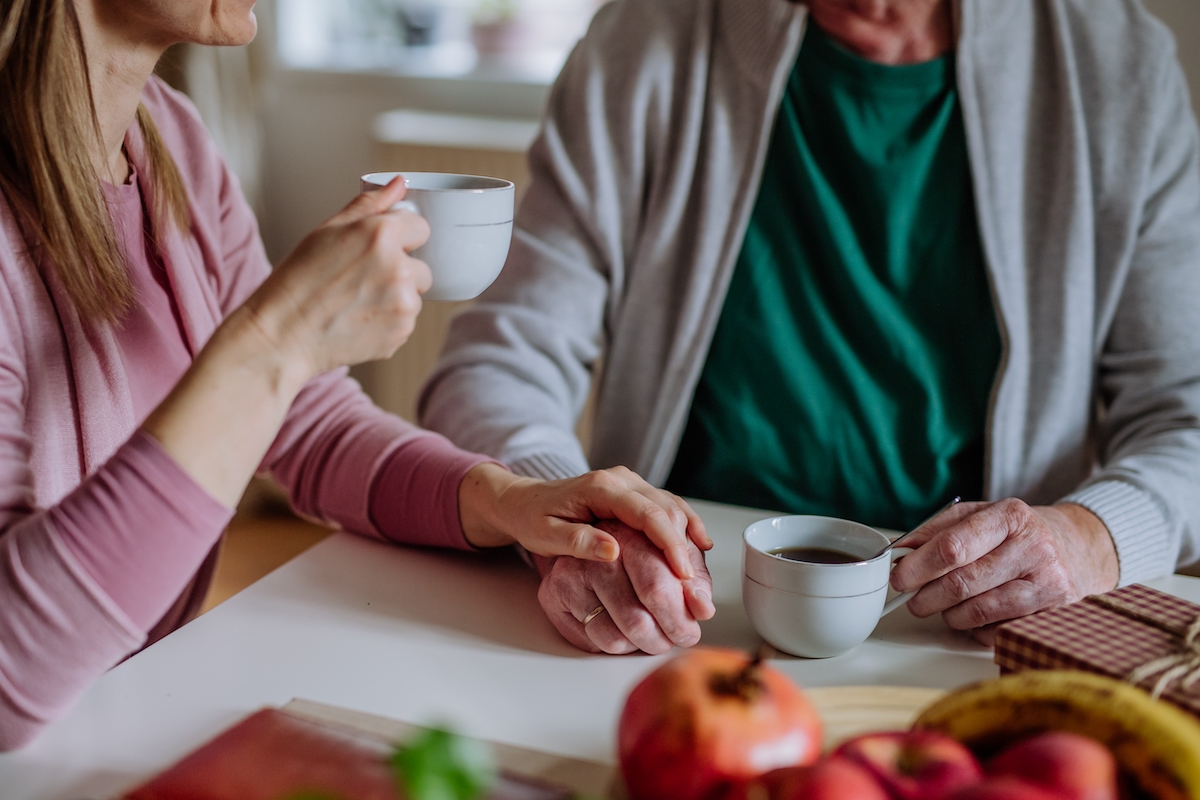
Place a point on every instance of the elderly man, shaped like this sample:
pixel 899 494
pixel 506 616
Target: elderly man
pixel 853 257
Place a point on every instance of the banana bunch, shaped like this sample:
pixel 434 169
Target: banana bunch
pixel 1156 745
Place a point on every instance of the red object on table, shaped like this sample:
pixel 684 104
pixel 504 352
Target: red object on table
pixel 1110 634
pixel 274 755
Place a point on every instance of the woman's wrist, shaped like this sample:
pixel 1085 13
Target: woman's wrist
pixel 481 493
pixel 247 340
pixel 269 335
pixel 220 419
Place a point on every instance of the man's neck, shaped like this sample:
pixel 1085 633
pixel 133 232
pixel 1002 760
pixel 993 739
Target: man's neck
pixel 118 69
pixel 887 31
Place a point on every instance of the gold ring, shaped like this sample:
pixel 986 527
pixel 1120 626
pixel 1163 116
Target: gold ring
pixel 597 611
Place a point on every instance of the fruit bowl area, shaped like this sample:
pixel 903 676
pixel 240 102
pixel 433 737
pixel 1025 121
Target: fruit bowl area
pixel 720 725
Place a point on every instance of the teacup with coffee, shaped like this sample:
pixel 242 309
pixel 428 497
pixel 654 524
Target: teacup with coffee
pixel 816 586
pixel 470 220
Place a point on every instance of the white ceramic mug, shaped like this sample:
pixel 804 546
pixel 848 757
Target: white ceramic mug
pixel 810 609
pixel 470 221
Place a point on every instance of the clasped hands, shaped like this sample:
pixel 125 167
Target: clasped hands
pixel 608 540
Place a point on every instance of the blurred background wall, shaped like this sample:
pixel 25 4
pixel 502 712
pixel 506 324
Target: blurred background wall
pixel 305 110
pixel 331 90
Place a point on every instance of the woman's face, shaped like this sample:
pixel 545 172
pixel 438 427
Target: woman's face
pixel 167 22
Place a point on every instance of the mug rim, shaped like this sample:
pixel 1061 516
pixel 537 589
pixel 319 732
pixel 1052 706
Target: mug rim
pixel 780 559
pixel 499 184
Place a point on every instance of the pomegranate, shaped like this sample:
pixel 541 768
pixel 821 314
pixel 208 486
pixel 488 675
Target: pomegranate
pixel 710 717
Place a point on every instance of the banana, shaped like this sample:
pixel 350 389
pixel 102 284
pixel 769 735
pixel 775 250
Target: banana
pixel 1156 744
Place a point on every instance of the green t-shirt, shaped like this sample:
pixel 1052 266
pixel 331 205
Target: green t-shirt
pixel 851 367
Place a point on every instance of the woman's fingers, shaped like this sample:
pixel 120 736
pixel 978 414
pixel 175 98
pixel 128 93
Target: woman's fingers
pixel 696 530
pixel 349 292
pixel 614 494
pixel 637 511
pixel 645 606
pixel 575 539
pixel 682 515
pixel 370 203
pixel 698 591
pixel 553 518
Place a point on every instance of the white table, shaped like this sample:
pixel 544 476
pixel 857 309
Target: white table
pixel 420 636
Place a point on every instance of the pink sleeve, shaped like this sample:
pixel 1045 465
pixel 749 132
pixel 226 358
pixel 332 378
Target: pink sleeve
pixel 82 582
pixel 353 465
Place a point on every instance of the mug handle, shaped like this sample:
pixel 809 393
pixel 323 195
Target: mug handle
pixel 900 599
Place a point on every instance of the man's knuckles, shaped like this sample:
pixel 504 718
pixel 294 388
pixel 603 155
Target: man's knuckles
pixel 958 586
pixel 950 549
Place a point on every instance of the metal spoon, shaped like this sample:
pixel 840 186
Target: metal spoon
pixel 904 536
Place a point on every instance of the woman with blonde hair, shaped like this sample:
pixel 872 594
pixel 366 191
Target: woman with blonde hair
pixel 151 363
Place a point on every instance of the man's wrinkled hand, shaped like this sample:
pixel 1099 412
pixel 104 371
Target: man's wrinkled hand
pixel 645 606
pixel 982 564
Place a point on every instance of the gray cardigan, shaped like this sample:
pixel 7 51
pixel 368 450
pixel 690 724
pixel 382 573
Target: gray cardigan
pixel 1086 162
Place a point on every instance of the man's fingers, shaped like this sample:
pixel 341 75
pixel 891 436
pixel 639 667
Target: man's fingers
pixel 369 203
pixel 946 519
pixel 952 547
pixel 604 635
pixel 633 620
pixel 662 594
pixel 986 635
pixel 562 593
pixel 572 630
pixel 994 569
pixel 1014 599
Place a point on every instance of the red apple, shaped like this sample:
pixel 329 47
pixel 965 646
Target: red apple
pixel 828 779
pixel 1002 787
pixel 711 716
pixel 1072 766
pixel 914 765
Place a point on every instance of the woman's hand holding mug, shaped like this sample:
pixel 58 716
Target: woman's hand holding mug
pixel 350 292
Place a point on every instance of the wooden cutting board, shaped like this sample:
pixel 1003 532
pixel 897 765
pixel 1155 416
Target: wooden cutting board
pixel 845 710
pixel 850 710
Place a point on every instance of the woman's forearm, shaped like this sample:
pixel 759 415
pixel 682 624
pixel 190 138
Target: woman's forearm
pixel 224 413
pixel 348 293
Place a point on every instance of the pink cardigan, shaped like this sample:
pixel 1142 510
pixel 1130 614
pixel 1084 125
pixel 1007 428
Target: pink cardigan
pixel 90 506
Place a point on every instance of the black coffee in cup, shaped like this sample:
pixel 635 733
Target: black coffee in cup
pixel 815 555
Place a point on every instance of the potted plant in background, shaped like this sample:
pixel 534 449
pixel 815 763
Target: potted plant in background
pixel 498 29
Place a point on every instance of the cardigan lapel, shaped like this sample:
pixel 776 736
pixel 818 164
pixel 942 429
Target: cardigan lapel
pixel 102 398
pixel 183 261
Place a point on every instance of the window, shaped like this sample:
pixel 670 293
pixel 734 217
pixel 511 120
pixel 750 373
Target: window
pixel 508 38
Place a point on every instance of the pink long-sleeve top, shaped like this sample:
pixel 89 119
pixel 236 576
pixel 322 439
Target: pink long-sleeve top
pixel 105 542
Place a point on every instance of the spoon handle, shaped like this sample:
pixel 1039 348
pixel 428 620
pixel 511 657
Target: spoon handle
pixel 904 536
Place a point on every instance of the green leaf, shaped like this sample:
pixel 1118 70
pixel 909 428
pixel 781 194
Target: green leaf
pixel 440 765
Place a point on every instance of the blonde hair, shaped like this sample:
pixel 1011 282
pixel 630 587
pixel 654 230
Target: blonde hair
pixel 48 123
